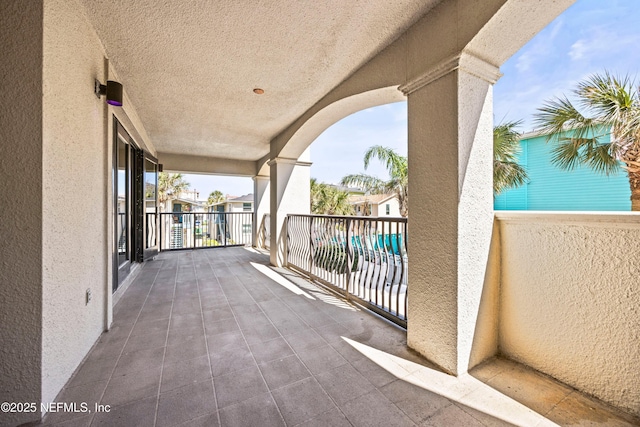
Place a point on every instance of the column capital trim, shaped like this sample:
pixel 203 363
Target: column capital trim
pixel 288 161
pixel 261 177
pixel 462 61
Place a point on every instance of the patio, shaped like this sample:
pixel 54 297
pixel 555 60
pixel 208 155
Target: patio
pixel 216 337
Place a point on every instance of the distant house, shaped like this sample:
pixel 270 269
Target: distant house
pixel 236 223
pixel 377 205
pixel 184 202
pixel 234 204
pixel 551 188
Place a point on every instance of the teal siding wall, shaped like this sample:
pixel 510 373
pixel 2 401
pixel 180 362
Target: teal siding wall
pixel 553 189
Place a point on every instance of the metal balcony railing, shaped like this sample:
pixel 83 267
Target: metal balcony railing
pixel 189 230
pixel 264 232
pixel 364 258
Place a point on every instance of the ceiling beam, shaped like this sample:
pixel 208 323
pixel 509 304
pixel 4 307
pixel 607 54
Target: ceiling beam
pixel 206 165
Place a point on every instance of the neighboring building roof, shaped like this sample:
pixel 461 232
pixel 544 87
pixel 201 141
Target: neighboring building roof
pixel 350 190
pixel 189 201
pixel 373 198
pixel 245 198
pixel 234 199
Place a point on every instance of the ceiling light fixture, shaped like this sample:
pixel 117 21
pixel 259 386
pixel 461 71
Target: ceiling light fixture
pixel 258 91
pixel 112 90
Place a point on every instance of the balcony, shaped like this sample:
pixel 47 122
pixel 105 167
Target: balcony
pixel 217 337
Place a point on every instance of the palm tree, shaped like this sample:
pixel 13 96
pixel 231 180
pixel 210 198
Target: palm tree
pixel 215 197
pixel 398 172
pixel 170 184
pixel 607 108
pixel 507 173
pixel 329 200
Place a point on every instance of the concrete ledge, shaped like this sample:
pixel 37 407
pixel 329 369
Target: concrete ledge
pixel 578 217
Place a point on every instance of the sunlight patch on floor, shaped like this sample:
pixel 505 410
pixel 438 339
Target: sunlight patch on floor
pixel 280 280
pixel 464 389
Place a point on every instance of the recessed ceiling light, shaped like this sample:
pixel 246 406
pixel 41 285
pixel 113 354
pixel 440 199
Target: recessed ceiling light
pixel 258 91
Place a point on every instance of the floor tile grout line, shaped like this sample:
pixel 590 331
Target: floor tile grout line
pixel 252 355
pixel 93 416
pixel 295 353
pixel 314 376
pixel 164 353
pixel 206 341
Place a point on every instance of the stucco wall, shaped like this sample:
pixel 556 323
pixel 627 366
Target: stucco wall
pixel 570 300
pixel 74 195
pixel 21 172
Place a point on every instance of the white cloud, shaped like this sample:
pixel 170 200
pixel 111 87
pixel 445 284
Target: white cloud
pixel 539 47
pixel 578 50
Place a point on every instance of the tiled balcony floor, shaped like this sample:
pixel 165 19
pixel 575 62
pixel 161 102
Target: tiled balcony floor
pixel 208 338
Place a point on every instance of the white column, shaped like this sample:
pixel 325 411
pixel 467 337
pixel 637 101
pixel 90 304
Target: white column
pixel 450 208
pixel 261 206
pixel 290 194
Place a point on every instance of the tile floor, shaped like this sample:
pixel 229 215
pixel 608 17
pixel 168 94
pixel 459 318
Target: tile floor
pixel 216 338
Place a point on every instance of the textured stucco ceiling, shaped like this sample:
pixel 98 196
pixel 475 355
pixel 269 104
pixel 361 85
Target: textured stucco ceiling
pixel 189 67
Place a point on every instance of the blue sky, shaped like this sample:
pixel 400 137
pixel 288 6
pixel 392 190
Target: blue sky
pixel 590 37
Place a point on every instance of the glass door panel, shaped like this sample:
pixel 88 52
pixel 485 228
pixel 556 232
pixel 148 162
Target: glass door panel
pixel 123 198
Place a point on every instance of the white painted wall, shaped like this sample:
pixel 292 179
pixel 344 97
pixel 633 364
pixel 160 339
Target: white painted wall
pixel 20 228
pixel 394 208
pixel 74 195
pixel 570 300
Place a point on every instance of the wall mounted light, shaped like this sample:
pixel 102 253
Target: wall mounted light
pixel 113 91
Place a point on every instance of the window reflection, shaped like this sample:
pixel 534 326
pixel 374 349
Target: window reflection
pixel 123 205
pixel 150 191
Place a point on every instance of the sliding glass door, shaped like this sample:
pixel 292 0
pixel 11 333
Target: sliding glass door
pixel 135 188
pixel 122 185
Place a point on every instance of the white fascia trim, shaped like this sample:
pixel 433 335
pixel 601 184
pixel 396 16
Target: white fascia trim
pixel 288 161
pixel 463 61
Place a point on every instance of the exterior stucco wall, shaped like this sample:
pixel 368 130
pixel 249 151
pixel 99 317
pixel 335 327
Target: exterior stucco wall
pixel 289 194
pixel 21 172
pixel 570 301
pixel 451 219
pixel 74 197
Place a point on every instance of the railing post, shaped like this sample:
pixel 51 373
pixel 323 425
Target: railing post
pixel 348 260
pixel 311 245
pixel 288 245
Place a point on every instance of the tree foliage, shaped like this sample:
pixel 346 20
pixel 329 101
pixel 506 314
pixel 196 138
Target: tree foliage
pixel 600 130
pixel 398 182
pixel 215 197
pixel 329 200
pixel 507 172
pixel 170 185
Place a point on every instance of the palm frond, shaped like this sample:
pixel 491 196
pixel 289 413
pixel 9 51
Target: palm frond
pixel 329 200
pixel 507 173
pixel 601 136
pixel 600 159
pixel 395 164
pixel 369 183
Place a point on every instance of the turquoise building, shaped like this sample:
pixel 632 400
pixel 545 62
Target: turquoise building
pixel 551 188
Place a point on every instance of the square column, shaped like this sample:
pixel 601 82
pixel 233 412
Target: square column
pixel 290 194
pixel 261 203
pixel 450 210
